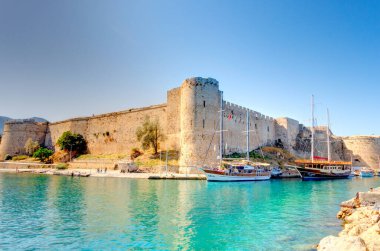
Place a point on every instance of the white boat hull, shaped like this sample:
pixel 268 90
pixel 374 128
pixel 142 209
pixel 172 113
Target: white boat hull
pixel 229 178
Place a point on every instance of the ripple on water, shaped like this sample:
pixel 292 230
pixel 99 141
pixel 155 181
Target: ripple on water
pixel 65 213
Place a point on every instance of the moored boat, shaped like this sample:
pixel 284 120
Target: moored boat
pixel 276 172
pixel 366 172
pixel 289 171
pixel 238 171
pixel 318 168
pixel 323 170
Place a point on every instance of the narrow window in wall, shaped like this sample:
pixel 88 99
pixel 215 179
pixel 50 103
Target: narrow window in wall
pixel 268 128
pixel 255 126
pixel 203 123
pixel 204 103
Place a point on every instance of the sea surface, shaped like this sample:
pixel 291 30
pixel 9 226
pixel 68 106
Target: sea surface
pixel 41 212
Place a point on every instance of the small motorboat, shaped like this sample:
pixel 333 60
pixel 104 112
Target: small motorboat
pixel 276 172
pixel 367 172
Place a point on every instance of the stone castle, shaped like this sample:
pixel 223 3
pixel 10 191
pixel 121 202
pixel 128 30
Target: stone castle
pixel 190 120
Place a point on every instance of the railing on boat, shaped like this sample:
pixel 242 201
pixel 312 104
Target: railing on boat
pixel 307 161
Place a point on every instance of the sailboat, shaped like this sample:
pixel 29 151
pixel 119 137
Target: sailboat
pixel 242 170
pixel 321 169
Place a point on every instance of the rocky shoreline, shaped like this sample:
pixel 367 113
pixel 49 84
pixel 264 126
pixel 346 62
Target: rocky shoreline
pixel 361 217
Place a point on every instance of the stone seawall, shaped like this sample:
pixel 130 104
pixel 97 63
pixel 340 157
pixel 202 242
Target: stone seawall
pixel 20 165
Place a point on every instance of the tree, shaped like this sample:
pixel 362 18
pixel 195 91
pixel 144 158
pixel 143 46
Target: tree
pixel 72 142
pixel 150 134
pixel 31 146
pixel 42 154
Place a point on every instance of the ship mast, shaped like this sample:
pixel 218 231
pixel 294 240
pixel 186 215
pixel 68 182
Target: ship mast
pixel 312 128
pixel 328 136
pixel 221 129
pixel 247 134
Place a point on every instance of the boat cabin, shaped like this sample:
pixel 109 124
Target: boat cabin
pixel 325 165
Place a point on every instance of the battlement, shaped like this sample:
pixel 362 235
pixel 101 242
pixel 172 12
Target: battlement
pixel 197 81
pixel 23 121
pixel 243 110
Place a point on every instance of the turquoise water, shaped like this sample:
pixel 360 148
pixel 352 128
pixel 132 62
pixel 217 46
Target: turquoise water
pixel 65 213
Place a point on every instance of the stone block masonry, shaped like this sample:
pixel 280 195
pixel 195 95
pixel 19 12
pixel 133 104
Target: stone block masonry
pixel 189 119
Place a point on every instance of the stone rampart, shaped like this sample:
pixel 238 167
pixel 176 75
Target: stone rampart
pixel 109 133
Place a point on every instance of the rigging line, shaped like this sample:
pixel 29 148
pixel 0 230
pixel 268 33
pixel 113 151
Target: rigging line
pixel 208 149
pixel 258 142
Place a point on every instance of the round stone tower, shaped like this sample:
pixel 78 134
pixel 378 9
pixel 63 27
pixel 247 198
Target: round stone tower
pixel 16 133
pixel 199 113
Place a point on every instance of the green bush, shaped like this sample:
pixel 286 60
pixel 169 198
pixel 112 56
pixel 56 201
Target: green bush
pixel 43 154
pixel 20 157
pixel 72 142
pixel 62 166
pixel 8 157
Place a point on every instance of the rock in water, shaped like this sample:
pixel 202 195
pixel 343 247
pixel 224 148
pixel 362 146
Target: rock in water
pixel 362 224
pixel 347 243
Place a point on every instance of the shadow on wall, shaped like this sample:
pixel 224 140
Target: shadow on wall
pixel 48 141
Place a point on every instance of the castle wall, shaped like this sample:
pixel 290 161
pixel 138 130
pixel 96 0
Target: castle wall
pixel 261 129
pixel 287 130
pixel 366 149
pixel 173 117
pixel 16 133
pixel 109 133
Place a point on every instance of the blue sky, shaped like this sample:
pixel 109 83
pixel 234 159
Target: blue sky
pixel 61 59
